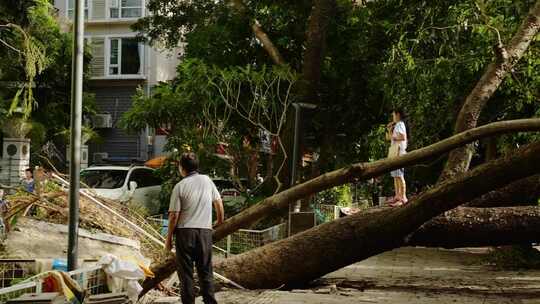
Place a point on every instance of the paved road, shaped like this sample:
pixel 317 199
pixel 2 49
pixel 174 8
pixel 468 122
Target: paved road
pixel 409 275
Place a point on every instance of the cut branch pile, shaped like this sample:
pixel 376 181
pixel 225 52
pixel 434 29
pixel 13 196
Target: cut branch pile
pixel 52 206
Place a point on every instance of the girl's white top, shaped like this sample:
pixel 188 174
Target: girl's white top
pixel 399 128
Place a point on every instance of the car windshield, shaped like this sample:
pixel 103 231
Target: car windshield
pixel 223 184
pixel 103 179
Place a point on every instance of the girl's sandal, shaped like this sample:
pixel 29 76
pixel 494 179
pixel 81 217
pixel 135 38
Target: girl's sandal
pixel 391 201
pixel 397 203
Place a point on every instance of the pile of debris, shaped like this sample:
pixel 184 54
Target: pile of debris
pixel 50 204
pixel 53 207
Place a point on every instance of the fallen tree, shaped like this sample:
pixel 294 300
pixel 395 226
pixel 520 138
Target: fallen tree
pixel 476 227
pixel 361 171
pixel 519 193
pixel 507 57
pixel 331 246
pixel 480 227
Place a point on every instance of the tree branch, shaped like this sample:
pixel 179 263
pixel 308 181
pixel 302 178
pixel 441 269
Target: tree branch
pixel 364 171
pixel 267 43
pixel 260 34
pixel 459 159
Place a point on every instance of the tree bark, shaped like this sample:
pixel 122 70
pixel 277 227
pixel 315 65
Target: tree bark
pixel 476 227
pixel 326 248
pixel 361 171
pixel 308 91
pixel 321 14
pixel 459 159
pixel 523 192
pixel 480 227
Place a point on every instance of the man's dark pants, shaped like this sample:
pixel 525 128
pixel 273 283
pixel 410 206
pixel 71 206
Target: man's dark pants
pixel 195 246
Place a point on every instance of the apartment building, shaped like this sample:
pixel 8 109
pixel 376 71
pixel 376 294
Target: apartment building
pixel 120 65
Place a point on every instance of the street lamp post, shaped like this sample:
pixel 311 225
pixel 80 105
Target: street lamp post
pixel 294 208
pixel 75 138
pixel 298 107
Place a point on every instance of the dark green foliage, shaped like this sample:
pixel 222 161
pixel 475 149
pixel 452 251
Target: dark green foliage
pixel 424 56
pixel 193 108
pixel 51 88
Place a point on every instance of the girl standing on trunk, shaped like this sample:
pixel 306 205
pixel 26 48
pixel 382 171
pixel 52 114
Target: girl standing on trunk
pixel 397 135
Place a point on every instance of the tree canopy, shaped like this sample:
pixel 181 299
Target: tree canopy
pixel 424 56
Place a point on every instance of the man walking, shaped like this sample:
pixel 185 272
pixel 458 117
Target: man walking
pixel 190 220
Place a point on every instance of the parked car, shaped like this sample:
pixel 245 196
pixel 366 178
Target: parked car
pixel 229 192
pixel 124 183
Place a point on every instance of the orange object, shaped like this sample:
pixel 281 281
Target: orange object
pixel 156 162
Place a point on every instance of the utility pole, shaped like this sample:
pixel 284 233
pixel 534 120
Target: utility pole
pixel 75 130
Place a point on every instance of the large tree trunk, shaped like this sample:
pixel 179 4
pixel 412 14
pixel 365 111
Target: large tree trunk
pixel 361 171
pixel 331 246
pixel 480 227
pixel 523 192
pixel 476 227
pixel 507 57
pixel 319 20
pixel 308 89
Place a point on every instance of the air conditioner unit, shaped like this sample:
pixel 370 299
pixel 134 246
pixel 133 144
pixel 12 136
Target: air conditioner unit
pixel 102 121
pixel 99 158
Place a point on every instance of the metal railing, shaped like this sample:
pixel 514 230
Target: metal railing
pixel 326 213
pixel 245 239
pixel 92 279
pixel 13 271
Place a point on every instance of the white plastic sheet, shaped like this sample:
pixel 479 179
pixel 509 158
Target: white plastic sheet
pixel 122 275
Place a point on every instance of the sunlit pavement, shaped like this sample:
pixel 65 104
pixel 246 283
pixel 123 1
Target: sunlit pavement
pixel 410 275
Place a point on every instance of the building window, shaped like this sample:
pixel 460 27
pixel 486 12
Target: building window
pixel 125 56
pixel 126 8
pixel 71 9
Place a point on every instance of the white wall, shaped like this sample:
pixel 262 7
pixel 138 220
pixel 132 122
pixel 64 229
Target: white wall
pixel 61 6
pixel 161 65
pixel 159 145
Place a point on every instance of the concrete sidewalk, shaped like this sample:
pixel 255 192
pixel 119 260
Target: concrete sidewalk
pixel 409 275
